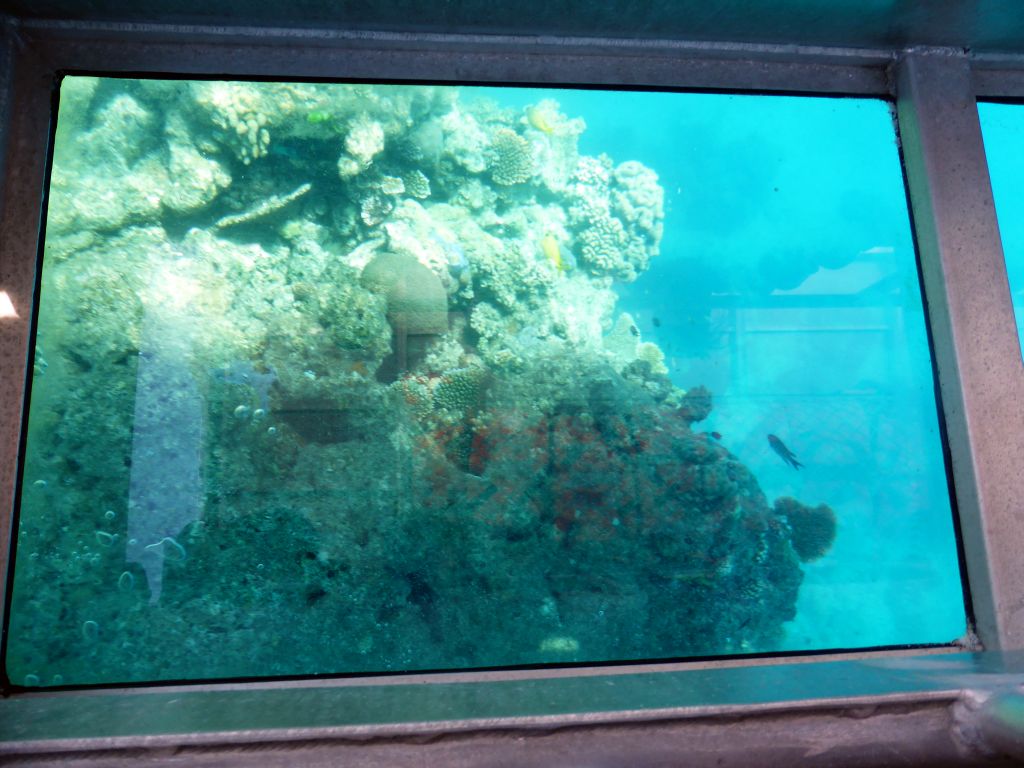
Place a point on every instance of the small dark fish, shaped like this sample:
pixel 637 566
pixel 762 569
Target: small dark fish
pixel 784 453
pixel 716 435
pixel 634 330
pixel 656 322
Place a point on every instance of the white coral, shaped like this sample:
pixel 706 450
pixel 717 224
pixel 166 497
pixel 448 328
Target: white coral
pixel 638 197
pixel 194 180
pixel 651 353
pixel 555 140
pixel 617 216
pixel 365 140
pixel 464 140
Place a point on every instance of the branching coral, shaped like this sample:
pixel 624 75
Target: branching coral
pixel 616 216
pixel 603 244
pixel 594 173
pixel 265 207
pixel 506 271
pixel 510 158
pixel 238 109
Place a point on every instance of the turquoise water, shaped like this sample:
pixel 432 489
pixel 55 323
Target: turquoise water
pixel 801 217
pixel 1002 130
pixel 337 379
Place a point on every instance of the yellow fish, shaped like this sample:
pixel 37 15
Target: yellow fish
pixel 553 253
pixel 540 119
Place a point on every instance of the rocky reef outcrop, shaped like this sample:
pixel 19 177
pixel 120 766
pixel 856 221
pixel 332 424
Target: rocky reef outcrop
pixel 427 438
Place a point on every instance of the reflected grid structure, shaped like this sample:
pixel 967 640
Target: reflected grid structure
pixel 955 705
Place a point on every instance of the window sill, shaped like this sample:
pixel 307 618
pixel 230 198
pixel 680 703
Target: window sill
pixel 875 709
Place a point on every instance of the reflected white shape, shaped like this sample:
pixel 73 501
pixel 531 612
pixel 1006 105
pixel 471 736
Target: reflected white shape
pixel 848 280
pixel 7 306
pixel 166 484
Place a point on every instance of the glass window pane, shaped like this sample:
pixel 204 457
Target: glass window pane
pixel 1002 127
pixel 361 378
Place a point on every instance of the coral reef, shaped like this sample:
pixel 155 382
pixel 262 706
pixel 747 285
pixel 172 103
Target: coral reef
pixel 616 214
pixel 365 140
pixel 459 389
pixel 354 317
pixel 417 184
pixel 511 158
pixel 240 111
pixel 464 140
pixel 813 528
pixel 373 332
pixel 266 207
pixel 695 405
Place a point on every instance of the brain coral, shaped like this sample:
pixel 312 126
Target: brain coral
pixel 460 389
pixel 511 158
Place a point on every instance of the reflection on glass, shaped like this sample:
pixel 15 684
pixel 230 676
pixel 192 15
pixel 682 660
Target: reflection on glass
pixel 1002 126
pixel 355 378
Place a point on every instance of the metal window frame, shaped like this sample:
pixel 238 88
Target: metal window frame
pixel 867 708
